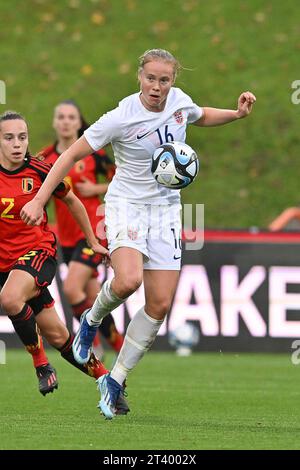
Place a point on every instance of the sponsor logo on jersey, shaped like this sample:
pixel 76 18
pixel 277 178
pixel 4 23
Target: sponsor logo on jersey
pixel 178 117
pixel 27 185
pixel 141 133
pixel 141 136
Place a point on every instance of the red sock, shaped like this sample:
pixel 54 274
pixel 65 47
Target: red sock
pixel 116 341
pixel 97 340
pixel 26 328
pixel 95 368
pixel 37 352
pixel 78 309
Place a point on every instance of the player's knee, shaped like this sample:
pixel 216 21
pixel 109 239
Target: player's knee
pixel 159 310
pixel 127 286
pixel 10 303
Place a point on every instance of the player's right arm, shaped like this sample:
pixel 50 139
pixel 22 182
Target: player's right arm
pixel 32 212
pixel 218 117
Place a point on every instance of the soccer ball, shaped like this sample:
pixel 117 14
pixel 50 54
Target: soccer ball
pixel 175 165
pixel 184 338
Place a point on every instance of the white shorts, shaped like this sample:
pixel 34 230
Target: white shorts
pixel 154 230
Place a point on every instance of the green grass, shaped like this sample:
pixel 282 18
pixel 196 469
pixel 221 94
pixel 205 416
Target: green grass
pixel 88 49
pixel 206 401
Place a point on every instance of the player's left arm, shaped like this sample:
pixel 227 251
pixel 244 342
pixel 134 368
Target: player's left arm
pixel 217 117
pixel 79 213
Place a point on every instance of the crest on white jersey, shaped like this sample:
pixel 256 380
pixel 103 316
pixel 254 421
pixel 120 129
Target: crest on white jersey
pixel 178 117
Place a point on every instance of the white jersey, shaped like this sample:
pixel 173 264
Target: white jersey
pixel 135 133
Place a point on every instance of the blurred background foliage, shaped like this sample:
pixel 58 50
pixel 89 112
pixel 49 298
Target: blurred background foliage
pixel 87 50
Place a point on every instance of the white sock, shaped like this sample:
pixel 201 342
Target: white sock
pixel 105 302
pixel 140 335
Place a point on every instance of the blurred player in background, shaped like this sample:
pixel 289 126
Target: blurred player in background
pixel 158 113
pixel 28 255
pixel 289 219
pixel 81 285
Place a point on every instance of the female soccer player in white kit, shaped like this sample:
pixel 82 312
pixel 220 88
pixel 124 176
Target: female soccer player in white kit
pixel 142 218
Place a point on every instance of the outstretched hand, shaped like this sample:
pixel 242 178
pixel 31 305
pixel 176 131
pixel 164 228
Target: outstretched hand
pixel 245 103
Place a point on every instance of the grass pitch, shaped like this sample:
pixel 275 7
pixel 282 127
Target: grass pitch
pixel 206 401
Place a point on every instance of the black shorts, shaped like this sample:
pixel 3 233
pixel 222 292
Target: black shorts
pixel 40 265
pixel 82 253
pixel 42 268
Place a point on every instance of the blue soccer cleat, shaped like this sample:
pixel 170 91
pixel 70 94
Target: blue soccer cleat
pixel 82 344
pixel 110 391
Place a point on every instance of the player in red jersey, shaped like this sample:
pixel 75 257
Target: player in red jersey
pixel 81 285
pixel 27 254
